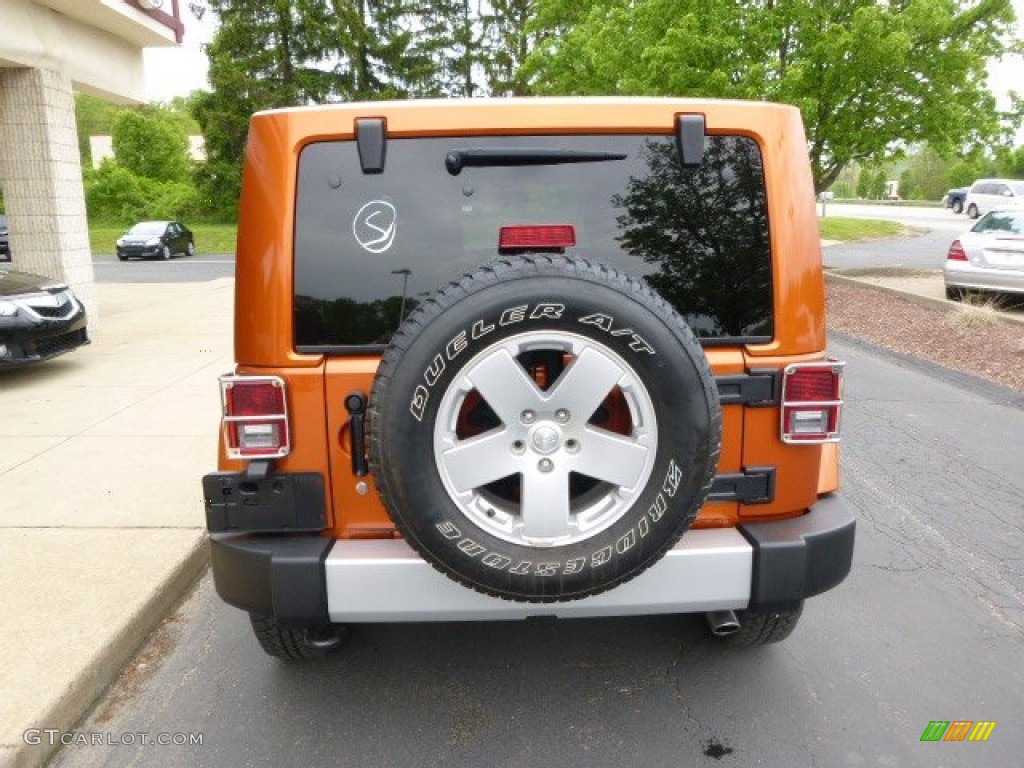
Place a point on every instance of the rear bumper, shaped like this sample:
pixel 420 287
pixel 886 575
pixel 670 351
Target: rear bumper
pixel 312 579
pixel 966 275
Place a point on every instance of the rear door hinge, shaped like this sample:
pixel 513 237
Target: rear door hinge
pixel 755 485
pixel 757 389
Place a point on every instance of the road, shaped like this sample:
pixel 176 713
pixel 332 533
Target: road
pixel 929 626
pixel 925 251
pixel 193 269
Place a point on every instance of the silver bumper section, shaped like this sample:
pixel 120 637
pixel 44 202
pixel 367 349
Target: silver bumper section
pixel 386 581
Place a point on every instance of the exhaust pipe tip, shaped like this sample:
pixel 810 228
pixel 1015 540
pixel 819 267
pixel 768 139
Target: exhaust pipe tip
pixel 722 623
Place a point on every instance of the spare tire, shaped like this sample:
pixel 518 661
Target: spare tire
pixel 544 429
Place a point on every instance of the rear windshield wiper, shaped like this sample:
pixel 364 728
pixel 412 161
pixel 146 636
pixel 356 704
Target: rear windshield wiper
pixel 457 159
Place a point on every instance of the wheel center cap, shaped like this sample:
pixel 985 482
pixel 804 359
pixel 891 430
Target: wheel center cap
pixel 545 439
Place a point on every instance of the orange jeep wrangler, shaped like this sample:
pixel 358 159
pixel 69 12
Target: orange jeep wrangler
pixel 510 358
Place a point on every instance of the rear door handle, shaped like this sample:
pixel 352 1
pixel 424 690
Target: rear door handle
pixel 355 404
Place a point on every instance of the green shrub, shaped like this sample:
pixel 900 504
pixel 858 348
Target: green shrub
pixel 113 193
pixel 171 200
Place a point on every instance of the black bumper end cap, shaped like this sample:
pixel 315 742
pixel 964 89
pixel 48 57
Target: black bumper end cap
pixel 279 576
pixel 800 557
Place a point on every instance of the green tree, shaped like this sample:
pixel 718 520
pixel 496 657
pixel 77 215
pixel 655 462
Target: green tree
pixel 1011 163
pixel 172 200
pixel 876 189
pixel 927 175
pixel 866 74
pixel 178 111
pixel 264 55
pixel 908 187
pixel 94 117
pixel 114 194
pixel 974 165
pixel 864 183
pixel 150 147
pixel 449 36
pixel 280 53
pixel 507 38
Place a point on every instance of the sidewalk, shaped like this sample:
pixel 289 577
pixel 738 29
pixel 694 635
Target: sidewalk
pixel 101 516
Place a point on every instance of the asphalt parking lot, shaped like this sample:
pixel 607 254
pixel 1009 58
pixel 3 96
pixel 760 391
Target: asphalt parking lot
pixel 194 269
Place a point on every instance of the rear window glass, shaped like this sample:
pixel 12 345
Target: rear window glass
pixel 1001 221
pixel 370 247
pixel 149 228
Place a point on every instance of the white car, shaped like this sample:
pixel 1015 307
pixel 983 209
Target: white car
pixel 989 257
pixel 991 194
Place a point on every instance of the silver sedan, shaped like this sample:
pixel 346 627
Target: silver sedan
pixel 988 257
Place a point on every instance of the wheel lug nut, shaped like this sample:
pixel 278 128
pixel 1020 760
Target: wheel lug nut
pixel 561 415
pixel 545 465
pixel 528 417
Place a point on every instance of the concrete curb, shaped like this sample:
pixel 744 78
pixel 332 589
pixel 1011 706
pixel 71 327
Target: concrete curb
pixel 67 711
pixel 927 301
pixel 83 693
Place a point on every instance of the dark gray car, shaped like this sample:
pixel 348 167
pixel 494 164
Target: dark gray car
pixel 40 318
pixel 156 240
pixel 5 239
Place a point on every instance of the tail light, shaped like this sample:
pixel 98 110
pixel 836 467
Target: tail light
pixel 255 417
pixel 956 252
pixel 811 402
pixel 536 237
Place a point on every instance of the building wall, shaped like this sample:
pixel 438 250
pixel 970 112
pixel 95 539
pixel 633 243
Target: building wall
pixel 49 48
pixel 43 179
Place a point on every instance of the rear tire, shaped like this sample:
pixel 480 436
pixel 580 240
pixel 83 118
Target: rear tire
pixel 972 211
pixel 296 643
pixel 191 249
pixel 763 628
pixel 958 206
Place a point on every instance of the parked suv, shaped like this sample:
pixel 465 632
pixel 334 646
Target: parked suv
pixel 994 194
pixel 513 358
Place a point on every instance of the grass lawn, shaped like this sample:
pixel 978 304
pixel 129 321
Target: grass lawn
pixel 210 238
pixel 839 228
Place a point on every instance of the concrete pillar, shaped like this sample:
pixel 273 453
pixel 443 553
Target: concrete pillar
pixel 41 175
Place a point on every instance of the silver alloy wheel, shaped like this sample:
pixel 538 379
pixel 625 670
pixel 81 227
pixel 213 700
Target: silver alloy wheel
pixel 545 437
pixel 167 252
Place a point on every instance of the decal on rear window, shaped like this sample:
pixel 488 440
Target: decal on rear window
pixel 374 226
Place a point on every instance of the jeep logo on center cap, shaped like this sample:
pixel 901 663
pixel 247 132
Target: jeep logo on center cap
pixel 374 226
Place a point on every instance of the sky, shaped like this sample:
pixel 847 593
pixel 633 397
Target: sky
pixel 179 71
